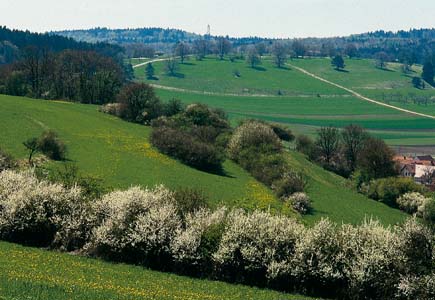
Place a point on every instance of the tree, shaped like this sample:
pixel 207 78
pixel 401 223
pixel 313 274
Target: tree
pixel 328 141
pixel 252 57
pixel 381 60
pixel 201 48
pixel 338 62
pixel 417 82
pixel 299 48
pixel 353 137
pixel 223 47
pixel 32 146
pixel 261 48
pixel 279 52
pixel 376 160
pixel 149 71
pixel 181 50
pixel 171 66
pixel 139 103
pixel 351 50
pixel 428 73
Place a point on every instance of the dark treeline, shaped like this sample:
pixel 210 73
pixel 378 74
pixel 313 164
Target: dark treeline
pixel 55 67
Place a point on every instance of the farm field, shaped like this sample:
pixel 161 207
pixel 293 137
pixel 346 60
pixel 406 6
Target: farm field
pixel 29 273
pixel 119 152
pixel 362 76
pixel 305 103
pixel 305 115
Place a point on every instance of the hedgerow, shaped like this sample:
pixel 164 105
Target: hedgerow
pixel 143 226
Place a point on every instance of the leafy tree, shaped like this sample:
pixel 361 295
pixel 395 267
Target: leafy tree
pixel 338 62
pixel 417 82
pixel 201 48
pixel 149 71
pixel 328 142
pixel 299 48
pixel 261 48
pixel 279 52
pixel 428 73
pixel 376 159
pixel 252 57
pixel 139 103
pixel 353 137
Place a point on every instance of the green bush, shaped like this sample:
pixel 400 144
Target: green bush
pixel 189 200
pixel 288 184
pixel 387 190
pixel 182 146
pixel 50 144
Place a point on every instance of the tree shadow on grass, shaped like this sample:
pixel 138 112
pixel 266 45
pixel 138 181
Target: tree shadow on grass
pixel 385 69
pixel 341 70
pixel 188 64
pixel 155 78
pixel 177 75
pixel 257 68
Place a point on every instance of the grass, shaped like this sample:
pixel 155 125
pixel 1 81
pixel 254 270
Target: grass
pixel 35 274
pixel 332 197
pixel 120 153
pixel 213 75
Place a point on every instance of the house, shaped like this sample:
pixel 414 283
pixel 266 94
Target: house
pixel 423 173
pixel 420 168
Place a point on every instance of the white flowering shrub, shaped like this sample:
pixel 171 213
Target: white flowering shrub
pixel 253 243
pixel 372 260
pixel 135 225
pixel 300 202
pixel 112 109
pixel 33 211
pixel 417 288
pixel 252 134
pixel 194 244
pixel 410 202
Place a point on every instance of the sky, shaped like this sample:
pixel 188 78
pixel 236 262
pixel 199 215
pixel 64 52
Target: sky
pixel 265 18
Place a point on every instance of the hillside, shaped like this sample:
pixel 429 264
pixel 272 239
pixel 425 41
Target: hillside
pixel 119 152
pixel 29 273
pixel 288 96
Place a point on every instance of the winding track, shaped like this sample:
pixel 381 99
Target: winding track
pixel 356 94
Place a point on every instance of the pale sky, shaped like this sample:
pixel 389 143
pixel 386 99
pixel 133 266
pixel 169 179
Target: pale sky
pixel 266 18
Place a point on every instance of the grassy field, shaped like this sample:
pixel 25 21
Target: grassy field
pixel 349 207
pixel 120 153
pixel 212 75
pixel 363 77
pixel 305 103
pixel 34 274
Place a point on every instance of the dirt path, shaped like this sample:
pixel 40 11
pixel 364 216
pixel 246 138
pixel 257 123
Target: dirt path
pixel 149 62
pixel 358 95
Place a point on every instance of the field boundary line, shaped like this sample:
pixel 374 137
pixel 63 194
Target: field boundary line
pixel 358 95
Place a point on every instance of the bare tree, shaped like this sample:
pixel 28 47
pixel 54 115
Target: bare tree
pixel 252 57
pixel 223 47
pixel 381 60
pixel 182 50
pixel 201 48
pixel 171 66
pixel 353 137
pixel 279 51
pixel 261 48
pixel 328 140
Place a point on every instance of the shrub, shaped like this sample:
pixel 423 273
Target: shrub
pixel 111 109
pixel 416 287
pixel 427 210
pixel 182 146
pixel 202 115
pixel 305 145
pixel 6 161
pixel 189 200
pixel 300 202
pixel 195 243
pixel 50 145
pixel 33 211
pixel 288 184
pixel 135 225
pixel 254 244
pixel 410 202
pixel 252 134
pixel 387 190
